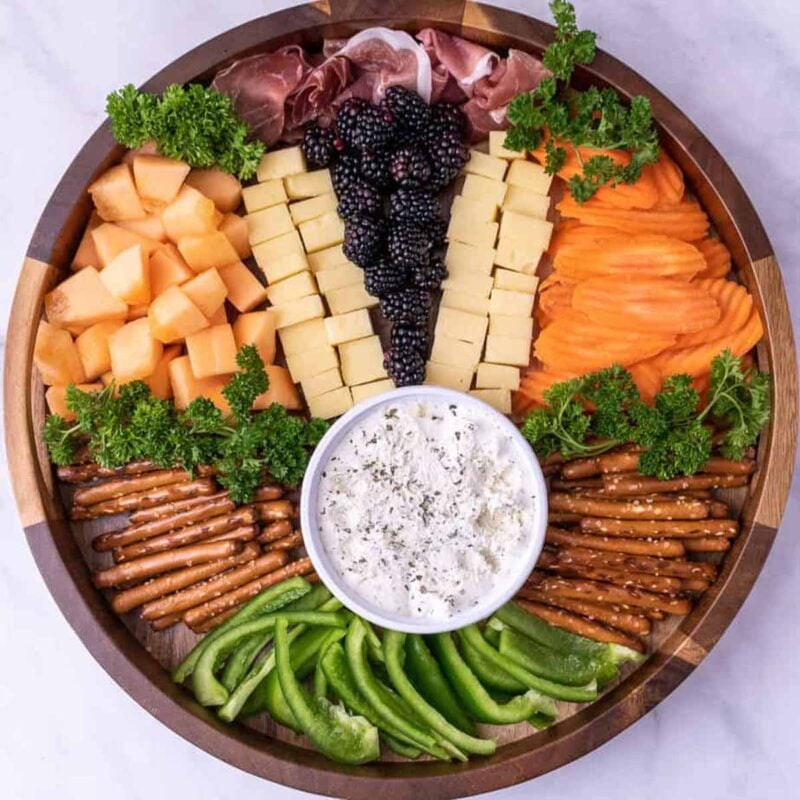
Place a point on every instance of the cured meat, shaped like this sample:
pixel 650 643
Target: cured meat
pixel 315 96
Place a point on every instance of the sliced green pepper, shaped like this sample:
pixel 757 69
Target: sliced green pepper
pixel 320 681
pixel 401 748
pixel 347 739
pixel 492 635
pixel 474 696
pixel 489 674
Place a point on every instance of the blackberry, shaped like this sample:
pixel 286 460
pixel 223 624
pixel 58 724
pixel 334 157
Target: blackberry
pixel 318 146
pixel 365 127
pixel 410 307
pixel 413 205
pixel 405 366
pixel 410 167
pixel 411 113
pixel 407 245
pixel 345 174
pixel 382 278
pixel 447 157
pixel 347 118
pixel 430 275
pixel 359 199
pixel 437 230
pixel 363 240
pixel 446 118
pixel 417 338
pixel 375 169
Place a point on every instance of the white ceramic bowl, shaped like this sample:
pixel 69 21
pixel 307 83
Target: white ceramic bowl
pixel 348 596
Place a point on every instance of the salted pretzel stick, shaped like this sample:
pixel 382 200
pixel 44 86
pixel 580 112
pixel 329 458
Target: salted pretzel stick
pixel 637 484
pixel 290 542
pixel 666 497
pixel 664 548
pixel 673 529
pixel 707 544
pixel 725 466
pixel 561 485
pixel 147 567
pixel 83 473
pixel 274 509
pixel 562 518
pixel 275 530
pixel 165 622
pixel 180 579
pixel 655 566
pixel 132 484
pixel 246 533
pixel 267 492
pixel 630 509
pixel 695 585
pixel 718 509
pixel 626 461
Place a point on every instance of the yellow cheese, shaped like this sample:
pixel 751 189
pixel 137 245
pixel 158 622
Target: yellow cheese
pixel 346 327
pixel 322 232
pixel 478 209
pixel 470 283
pixel 366 390
pixel 331 404
pixel 297 311
pixel 524 201
pixel 465 302
pixel 323 382
pixel 497 376
pixel 462 325
pixel 337 277
pixel 311 362
pixel 312 208
pixel 362 361
pixel 328 258
pixel 504 350
pixel 480 234
pixel 274 249
pixel 513 327
pixel 349 298
pixel 480 186
pixel 456 353
pixel 309 184
pixel 284 266
pixel 461 257
pixel 299 285
pixel 280 163
pixel 458 378
pixel 499 399
pixel 264 195
pixel 529 175
pixel 511 304
pixel 515 281
pixel 309 335
pixel 517 255
pixel 532 232
pixel 498 149
pixel 486 165
pixel 268 223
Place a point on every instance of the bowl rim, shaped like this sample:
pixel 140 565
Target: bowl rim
pixel 351 599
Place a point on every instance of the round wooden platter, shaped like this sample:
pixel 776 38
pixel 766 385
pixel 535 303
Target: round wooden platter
pixel 136 657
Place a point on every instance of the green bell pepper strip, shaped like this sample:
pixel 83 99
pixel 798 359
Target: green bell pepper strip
pixel 492 634
pixel 320 683
pixel 346 739
pixel 489 674
pixel 374 646
pixel 264 603
pixel 474 696
pixel 400 748
pixel 574 694
pixel 393 644
pixel 207 689
pixel 428 679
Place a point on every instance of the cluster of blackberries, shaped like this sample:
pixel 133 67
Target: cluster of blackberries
pixel 388 163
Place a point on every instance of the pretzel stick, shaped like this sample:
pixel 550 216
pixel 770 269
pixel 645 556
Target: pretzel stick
pixel 639 484
pixel 562 518
pixel 695 585
pixel 147 567
pixel 165 622
pixel 718 509
pixel 246 533
pixel 668 497
pixel 109 490
pixel 725 466
pixel 664 548
pixel 214 588
pixel 561 485
pixel 707 544
pixel 290 542
pixel 632 509
pixel 267 492
pixel 83 473
pixel 274 509
pixel 173 581
pixel 626 461
pixel 674 529
pixel 275 530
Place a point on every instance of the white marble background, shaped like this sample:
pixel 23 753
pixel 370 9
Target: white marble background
pixel 67 731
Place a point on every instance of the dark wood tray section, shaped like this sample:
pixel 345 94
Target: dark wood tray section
pixel 139 672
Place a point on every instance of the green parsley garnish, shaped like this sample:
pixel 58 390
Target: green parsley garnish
pixel 128 423
pixel 193 123
pixel 595 118
pixel 674 431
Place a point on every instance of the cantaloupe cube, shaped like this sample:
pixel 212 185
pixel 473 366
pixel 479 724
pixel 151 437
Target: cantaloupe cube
pixel 167 268
pixel 86 254
pixel 219 317
pixel 235 228
pixel 212 351
pixel 114 194
pixel 221 187
pixel 185 387
pixel 256 328
pixel 56 357
pixel 110 240
pixel 149 148
pixel 281 390
pixel 137 311
pixel 107 378
pixel 134 351
pixel 206 291
pixel 159 382
pixel 92 347
pixel 189 214
pixel 151 227
pixel 158 179
pixel 56 397
pixel 128 276
pixel 245 291
pixel 174 316
pixel 81 300
pixel 207 251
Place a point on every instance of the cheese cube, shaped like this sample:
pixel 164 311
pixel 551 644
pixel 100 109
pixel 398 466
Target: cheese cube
pixel 212 351
pixel 529 175
pixel 481 209
pixel 463 229
pixel 504 350
pixel 511 304
pixel 331 404
pixel 498 149
pixel 338 277
pixel 277 248
pixel 280 163
pixel 346 327
pixel 323 382
pixel 462 257
pixel 293 288
pixel 456 353
pixel 499 399
pixel 479 186
pixel 268 223
pixel 486 165
pixel 312 208
pixel 517 255
pixel 458 378
pixel 513 327
pixel 470 283
pixel 309 184
pixel 312 362
pixel 309 335
pixel 497 376
pixel 535 233
pixel 461 325
pixel 515 281
pixel 328 258
pixel 366 390
pixel 322 232
pixel 349 298
pixel 472 303
pixel 362 361
pixel 297 311
pixel 264 195
pixel 526 202
pixel 284 266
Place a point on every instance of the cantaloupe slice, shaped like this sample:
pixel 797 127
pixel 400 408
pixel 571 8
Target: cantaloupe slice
pixel 106 378
pixel 207 251
pixel 257 328
pixel 185 387
pixel 86 254
pixel 189 214
pixel 56 397
pixel 110 240
pixel 219 317
pixel 138 311
pixel 173 316
pixel 128 276
pixel 151 227
pixel 81 300
pixel 134 351
pixel 224 189
pixel 235 228
pixel 281 390
pixel 56 357
pixel 92 347
pixel 245 291
pixel 206 291
pixel 158 179
pixel 212 351
pixel 167 268
pixel 159 382
pixel 114 194
pixel 149 148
